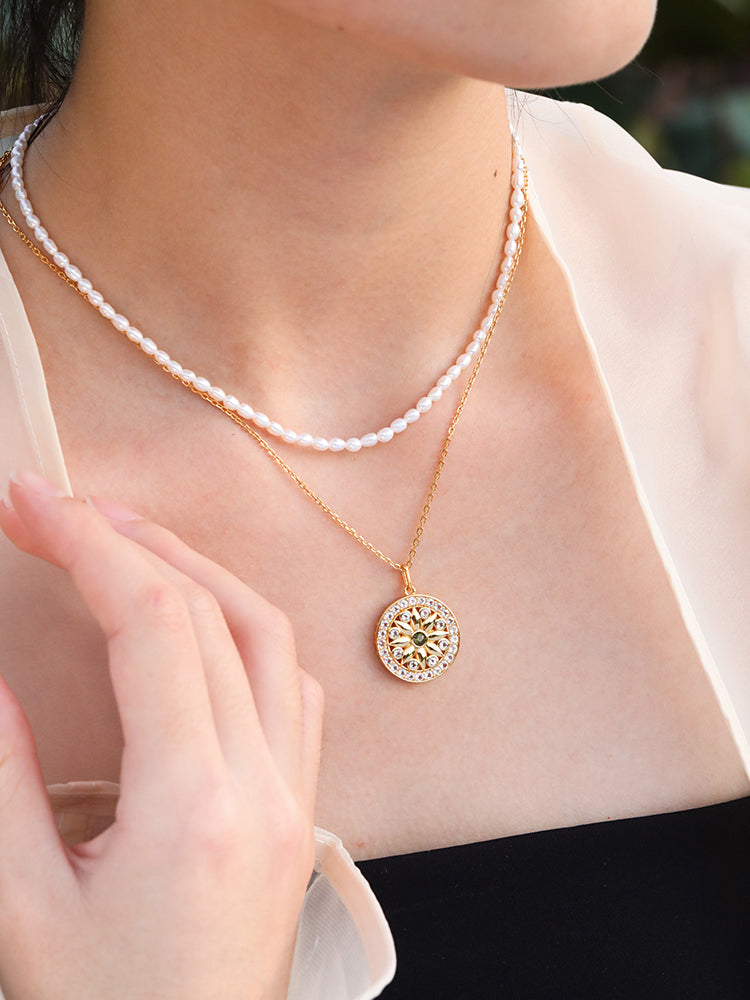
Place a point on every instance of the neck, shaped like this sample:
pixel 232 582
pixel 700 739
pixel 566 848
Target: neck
pixel 278 182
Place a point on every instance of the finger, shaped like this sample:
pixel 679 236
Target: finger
pixel 261 633
pixel 234 710
pixel 312 734
pixel 155 665
pixel 31 853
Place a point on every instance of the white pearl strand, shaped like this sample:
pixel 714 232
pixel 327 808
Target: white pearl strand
pixel 335 444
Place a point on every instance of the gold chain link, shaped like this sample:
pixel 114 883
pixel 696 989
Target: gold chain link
pixel 404 567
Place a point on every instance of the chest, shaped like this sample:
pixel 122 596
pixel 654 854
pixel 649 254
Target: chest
pixel 576 695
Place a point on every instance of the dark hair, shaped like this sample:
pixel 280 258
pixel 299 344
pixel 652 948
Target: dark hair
pixel 39 42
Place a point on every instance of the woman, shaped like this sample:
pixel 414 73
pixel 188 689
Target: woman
pixel 308 203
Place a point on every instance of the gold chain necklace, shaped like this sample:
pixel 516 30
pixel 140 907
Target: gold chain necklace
pixel 417 637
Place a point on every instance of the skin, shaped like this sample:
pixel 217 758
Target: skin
pixel 270 227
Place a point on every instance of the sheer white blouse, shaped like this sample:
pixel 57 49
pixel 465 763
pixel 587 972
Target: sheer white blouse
pixel 658 267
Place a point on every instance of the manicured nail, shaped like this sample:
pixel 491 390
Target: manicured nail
pixel 36 484
pixel 112 510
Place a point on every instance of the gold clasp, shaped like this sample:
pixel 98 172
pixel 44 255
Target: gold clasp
pixel 408 585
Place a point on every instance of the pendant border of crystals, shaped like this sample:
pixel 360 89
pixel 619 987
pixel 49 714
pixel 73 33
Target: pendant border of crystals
pixel 428 660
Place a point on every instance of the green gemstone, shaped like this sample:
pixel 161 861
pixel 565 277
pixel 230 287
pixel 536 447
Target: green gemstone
pixel 419 638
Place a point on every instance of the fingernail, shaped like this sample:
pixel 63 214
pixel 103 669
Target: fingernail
pixel 36 484
pixel 5 503
pixel 112 510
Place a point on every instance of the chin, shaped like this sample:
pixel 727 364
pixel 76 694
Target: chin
pixel 520 43
pixel 571 57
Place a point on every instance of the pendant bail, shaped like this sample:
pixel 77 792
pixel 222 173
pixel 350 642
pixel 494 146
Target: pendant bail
pixel 408 585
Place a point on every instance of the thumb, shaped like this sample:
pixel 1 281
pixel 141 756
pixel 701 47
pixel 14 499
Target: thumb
pixel 31 851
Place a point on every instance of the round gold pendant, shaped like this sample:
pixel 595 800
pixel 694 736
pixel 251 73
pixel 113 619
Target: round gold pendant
pixel 417 638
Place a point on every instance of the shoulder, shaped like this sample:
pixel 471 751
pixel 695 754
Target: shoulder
pixel 654 241
pixel 578 151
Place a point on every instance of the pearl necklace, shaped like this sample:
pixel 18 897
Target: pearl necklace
pixel 417 637
pixel 231 402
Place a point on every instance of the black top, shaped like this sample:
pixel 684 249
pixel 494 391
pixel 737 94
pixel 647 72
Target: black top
pixel 653 908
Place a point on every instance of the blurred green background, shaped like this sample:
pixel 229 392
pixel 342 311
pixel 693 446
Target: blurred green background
pixel 687 97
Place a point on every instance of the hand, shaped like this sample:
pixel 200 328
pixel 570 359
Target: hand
pixel 194 892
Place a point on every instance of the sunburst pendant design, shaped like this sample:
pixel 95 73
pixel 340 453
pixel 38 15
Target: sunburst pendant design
pixel 417 638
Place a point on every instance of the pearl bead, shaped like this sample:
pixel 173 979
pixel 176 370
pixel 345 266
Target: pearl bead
pixel 513 230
